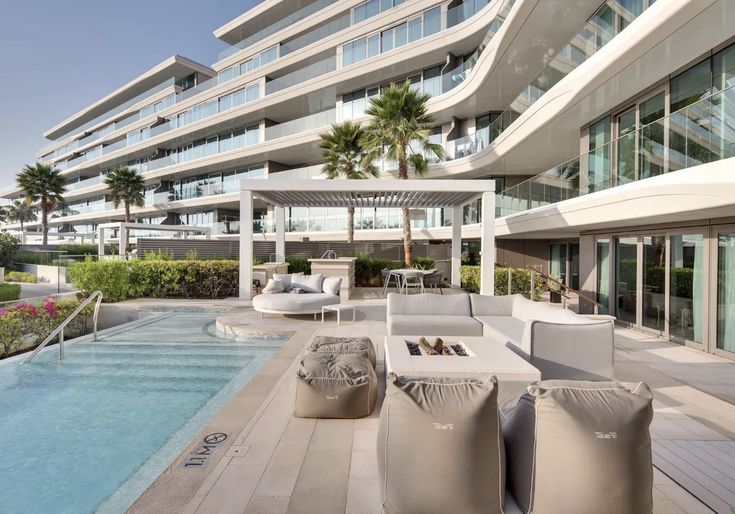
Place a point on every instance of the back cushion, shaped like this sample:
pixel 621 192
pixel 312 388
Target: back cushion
pixel 309 283
pixel 486 305
pixel 526 310
pixel 273 286
pixel 578 446
pixel 331 285
pixel 285 279
pixel 429 304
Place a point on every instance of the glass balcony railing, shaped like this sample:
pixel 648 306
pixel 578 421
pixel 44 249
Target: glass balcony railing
pixel 309 72
pixel 85 183
pixel 700 133
pixel 319 120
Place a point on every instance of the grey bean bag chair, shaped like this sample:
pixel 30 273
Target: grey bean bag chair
pixel 335 385
pixel 359 345
pixel 440 448
pixel 580 447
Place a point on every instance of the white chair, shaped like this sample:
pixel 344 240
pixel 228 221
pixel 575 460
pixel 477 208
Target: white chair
pixel 389 276
pixel 413 281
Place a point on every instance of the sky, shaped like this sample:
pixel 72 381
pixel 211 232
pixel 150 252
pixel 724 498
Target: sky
pixel 58 56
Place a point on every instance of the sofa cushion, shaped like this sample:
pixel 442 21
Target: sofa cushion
pixel 308 283
pixel 581 447
pixel 502 328
pixel 429 304
pixel 331 285
pixel 273 287
pixel 526 310
pixel 404 324
pixel 335 385
pixel 285 278
pixel 440 448
pixel 293 303
pixel 487 305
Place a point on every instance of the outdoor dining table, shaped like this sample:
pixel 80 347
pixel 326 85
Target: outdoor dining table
pixel 402 272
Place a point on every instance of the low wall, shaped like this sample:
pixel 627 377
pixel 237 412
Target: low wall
pixel 45 274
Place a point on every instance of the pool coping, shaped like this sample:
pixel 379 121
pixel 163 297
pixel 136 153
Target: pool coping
pixel 177 486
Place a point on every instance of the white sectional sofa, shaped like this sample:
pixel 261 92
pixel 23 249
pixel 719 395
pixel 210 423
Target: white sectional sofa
pixel 560 343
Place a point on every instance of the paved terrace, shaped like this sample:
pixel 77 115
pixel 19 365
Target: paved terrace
pixel 275 463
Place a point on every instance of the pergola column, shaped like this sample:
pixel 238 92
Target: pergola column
pixel 487 244
pixel 123 240
pixel 100 240
pixel 246 244
pixel 280 222
pixel 456 245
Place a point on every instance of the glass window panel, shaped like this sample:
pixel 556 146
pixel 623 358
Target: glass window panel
pixel 626 263
pixel 396 3
pixel 599 155
pixel 401 35
pixel 558 261
pixel 654 274
pixel 651 138
pixel 359 13
pixel 432 21
pixel 726 292
pixel 238 97
pixel 626 146
pixel 414 29
pixel 225 103
pixel 252 92
pixel 359 50
pixel 686 296
pixel 372 8
pixel 603 275
pixel 690 86
pixel 347 54
pixel 386 40
pixel 373 45
pixel 268 55
pixel 723 68
pixel 386 4
pixel 253 134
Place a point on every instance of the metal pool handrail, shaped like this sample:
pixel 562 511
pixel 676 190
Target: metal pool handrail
pixel 60 329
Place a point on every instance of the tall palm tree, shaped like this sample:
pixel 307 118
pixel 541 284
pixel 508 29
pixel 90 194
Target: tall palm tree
pixel 399 130
pixel 21 212
pixel 126 187
pixel 43 184
pixel 344 157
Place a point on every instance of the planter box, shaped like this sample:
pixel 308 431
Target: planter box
pixel 45 274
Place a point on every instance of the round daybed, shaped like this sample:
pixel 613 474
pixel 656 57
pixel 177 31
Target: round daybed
pixel 286 303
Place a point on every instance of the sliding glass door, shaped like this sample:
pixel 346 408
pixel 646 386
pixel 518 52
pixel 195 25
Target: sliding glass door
pixel 686 287
pixel 653 308
pixel 725 340
pixel 626 278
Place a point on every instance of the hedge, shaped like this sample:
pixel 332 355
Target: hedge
pixel 521 281
pixel 21 276
pixel 121 280
pixel 9 292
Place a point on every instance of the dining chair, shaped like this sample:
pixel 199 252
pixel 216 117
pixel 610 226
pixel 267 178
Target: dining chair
pixel 389 276
pixel 434 281
pixel 413 280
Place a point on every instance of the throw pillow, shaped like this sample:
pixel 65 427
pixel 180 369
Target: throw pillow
pixel 309 283
pixel 331 285
pixel 273 287
pixel 285 278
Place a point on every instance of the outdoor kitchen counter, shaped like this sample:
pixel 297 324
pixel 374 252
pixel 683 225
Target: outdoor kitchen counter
pixel 342 267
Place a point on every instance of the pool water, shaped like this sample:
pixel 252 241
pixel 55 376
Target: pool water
pixel 91 434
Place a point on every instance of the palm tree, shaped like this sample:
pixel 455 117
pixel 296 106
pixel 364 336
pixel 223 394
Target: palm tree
pixel 399 130
pixel 344 157
pixel 126 187
pixel 21 212
pixel 43 184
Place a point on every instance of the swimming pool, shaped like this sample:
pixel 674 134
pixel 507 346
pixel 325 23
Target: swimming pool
pixel 93 433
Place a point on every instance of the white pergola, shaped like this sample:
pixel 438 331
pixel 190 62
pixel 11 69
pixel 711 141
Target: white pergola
pixel 124 230
pixel 412 194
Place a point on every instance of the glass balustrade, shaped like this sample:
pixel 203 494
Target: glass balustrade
pixel 301 75
pixel 701 133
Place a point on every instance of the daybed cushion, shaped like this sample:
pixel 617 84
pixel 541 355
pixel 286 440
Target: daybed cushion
pixel 273 287
pixel 285 278
pixel 335 385
pixel 309 283
pixel 579 447
pixel 331 285
pixel 440 447
pixel 435 325
pixel 289 303
pixel 353 345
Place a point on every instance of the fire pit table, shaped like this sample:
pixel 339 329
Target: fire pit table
pixel 484 356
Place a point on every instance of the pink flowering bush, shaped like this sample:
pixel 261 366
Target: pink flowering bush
pixel 26 322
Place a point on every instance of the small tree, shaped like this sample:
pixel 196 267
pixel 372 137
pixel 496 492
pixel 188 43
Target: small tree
pixel 43 184
pixel 8 248
pixel 21 212
pixel 399 130
pixel 126 187
pixel 344 157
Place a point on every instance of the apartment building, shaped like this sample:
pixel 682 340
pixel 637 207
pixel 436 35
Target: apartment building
pixel 608 127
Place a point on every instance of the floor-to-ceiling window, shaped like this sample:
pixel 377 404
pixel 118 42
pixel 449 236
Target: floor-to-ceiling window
pixel 626 278
pixel 602 258
pixel 558 261
pixel 599 156
pixel 654 286
pixel 726 291
pixel 686 287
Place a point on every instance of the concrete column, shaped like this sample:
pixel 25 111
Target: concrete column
pixel 100 241
pixel 280 221
pixel 246 244
pixel 456 245
pixel 487 245
pixel 123 240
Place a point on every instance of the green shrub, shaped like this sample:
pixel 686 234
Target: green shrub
pixel 8 249
pixel 79 249
pixel 120 280
pixel 298 264
pixel 424 263
pixel 9 292
pixel 191 255
pixel 21 276
pixel 520 281
pixel 368 269
pixel 158 255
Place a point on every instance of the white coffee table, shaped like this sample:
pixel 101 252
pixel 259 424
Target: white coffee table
pixel 487 357
pixel 338 308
